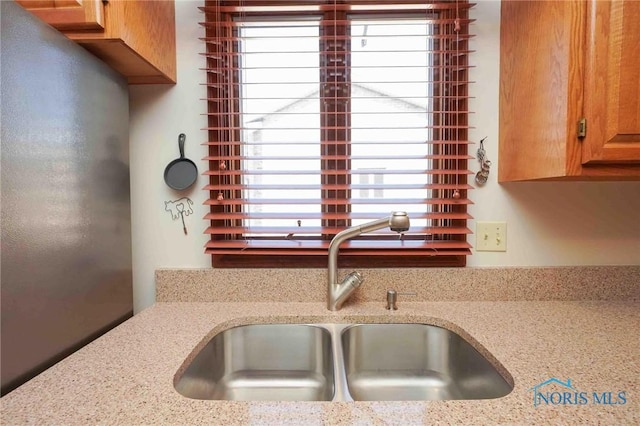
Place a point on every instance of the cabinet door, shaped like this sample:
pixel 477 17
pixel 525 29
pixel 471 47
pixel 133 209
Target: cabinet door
pixel 612 86
pixel 68 14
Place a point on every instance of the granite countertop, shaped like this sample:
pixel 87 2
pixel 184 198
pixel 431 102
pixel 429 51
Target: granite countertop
pixel 126 376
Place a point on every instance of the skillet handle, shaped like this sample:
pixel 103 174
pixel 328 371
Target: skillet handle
pixel 181 138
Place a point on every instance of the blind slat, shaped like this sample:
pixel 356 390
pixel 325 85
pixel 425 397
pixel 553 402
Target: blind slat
pixel 340 202
pixel 233 25
pixel 293 230
pixel 234 216
pixel 327 172
pixel 241 6
pixel 354 187
pixel 341 157
pixel 335 143
pixel 318 247
pixel 350 244
pixel 294 129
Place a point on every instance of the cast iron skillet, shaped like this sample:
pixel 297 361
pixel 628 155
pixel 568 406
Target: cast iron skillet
pixel 181 173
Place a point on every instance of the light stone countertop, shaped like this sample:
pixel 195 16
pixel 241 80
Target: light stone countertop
pixel 126 376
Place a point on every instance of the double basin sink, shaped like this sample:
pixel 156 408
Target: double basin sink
pixel 340 362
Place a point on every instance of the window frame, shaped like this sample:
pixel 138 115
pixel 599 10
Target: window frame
pixel 311 258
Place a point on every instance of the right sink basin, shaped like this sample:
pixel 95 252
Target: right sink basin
pixel 406 362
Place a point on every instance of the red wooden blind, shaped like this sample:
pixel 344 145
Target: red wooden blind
pixel 329 114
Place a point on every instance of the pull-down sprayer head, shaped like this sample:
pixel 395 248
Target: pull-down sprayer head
pixel 399 222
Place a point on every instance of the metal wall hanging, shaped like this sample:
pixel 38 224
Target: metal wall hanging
pixel 178 209
pixel 181 173
pixel 485 165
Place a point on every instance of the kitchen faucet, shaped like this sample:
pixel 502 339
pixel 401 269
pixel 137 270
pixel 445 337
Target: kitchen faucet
pixel 338 293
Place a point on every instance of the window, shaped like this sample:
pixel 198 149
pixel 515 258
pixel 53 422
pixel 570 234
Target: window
pixel 325 114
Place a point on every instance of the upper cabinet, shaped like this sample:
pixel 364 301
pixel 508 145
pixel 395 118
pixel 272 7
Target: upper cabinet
pixel 569 90
pixel 68 14
pixel 135 37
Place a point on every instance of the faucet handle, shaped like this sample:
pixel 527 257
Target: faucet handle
pixel 392 298
pixel 354 279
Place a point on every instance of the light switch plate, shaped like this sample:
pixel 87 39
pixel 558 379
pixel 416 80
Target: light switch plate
pixel 491 236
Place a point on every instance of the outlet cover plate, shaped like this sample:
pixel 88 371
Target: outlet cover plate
pixel 491 236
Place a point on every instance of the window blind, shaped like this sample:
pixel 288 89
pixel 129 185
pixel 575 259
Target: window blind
pixel 328 114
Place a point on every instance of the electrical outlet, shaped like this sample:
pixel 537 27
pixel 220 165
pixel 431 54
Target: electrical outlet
pixel 491 236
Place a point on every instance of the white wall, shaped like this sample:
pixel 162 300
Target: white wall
pixel 549 224
pixel 158 115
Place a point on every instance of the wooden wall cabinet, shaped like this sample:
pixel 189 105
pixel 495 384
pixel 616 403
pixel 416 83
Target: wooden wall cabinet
pixel 562 62
pixel 135 37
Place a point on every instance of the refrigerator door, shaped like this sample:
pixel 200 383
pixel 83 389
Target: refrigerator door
pixel 66 237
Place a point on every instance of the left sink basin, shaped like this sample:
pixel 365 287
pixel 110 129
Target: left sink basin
pixel 284 362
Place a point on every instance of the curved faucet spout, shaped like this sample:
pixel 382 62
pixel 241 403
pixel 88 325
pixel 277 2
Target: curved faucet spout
pixel 338 293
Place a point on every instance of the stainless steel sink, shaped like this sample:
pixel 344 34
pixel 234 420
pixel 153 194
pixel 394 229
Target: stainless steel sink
pixel 407 362
pixel 284 362
pixel 340 362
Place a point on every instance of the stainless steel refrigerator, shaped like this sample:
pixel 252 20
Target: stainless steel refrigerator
pixel 66 228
